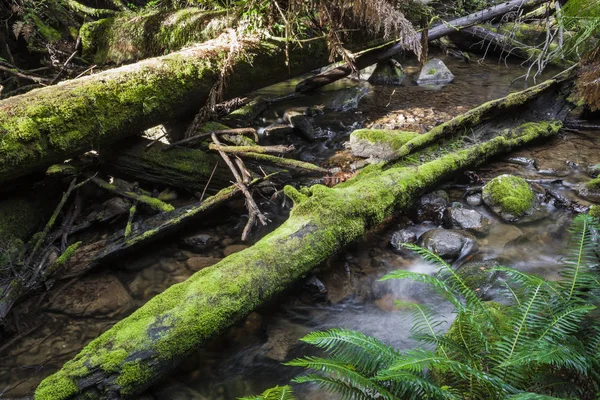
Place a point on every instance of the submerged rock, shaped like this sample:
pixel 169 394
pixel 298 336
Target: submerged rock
pixel 469 220
pixel 432 206
pixel 346 99
pixel 474 199
pixel 198 243
pixel 510 197
pixel 387 72
pixel 378 144
pixel 435 72
pixel 304 125
pixel 402 236
pixel 479 276
pixel 447 243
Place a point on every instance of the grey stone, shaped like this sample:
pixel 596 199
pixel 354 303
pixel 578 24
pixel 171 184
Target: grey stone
pixel 446 243
pixel 435 72
pixel 315 287
pixel 480 276
pixel 198 243
pixel 387 72
pixel 469 220
pixel 346 99
pixel 474 199
pixel 402 236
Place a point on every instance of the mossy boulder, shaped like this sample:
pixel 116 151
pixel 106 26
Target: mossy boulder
pixel 388 72
pixel 378 144
pixel 510 197
pixel 435 73
pixel 594 211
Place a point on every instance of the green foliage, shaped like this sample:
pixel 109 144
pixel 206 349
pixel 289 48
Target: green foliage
pixel 276 393
pixel 582 19
pixel 536 348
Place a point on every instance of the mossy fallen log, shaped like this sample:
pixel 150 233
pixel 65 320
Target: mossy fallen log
pixel 144 347
pixel 48 125
pixel 131 37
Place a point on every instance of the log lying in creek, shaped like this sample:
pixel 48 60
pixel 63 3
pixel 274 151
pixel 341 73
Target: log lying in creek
pixel 147 345
pixel 381 53
pixel 48 125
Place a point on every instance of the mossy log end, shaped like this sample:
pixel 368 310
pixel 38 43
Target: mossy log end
pixel 144 347
pixel 48 125
pixel 130 37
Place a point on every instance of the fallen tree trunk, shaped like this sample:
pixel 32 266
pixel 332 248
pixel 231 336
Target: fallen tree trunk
pixel 48 125
pixel 382 53
pixel 140 349
pixel 503 43
pixel 130 37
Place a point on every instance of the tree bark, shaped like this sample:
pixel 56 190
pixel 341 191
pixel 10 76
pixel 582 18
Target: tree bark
pixel 503 43
pixel 381 53
pixel 144 347
pixel 48 125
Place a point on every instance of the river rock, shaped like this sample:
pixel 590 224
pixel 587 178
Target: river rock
pixel 479 276
pixel 278 130
pixel 435 72
pixel 234 248
pixel 315 287
pixel 400 237
pixel 198 263
pixel 304 125
pixel 469 220
pixel 474 199
pixel 432 206
pixel 510 197
pixel 387 72
pixel 94 296
pixel 282 337
pixel 346 99
pixel 198 243
pixel 447 243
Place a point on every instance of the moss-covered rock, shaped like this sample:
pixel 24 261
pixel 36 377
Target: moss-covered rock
pixel 19 218
pixel 387 72
pixel 594 211
pixel 379 144
pixel 509 196
pixel 129 37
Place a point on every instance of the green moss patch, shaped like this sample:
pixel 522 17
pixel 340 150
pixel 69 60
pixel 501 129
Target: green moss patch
pixel 511 193
pixel 594 184
pixel 396 139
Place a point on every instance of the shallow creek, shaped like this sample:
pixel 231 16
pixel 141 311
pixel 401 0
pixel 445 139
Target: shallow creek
pixel 345 291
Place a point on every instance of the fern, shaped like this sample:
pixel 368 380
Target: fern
pixel 276 393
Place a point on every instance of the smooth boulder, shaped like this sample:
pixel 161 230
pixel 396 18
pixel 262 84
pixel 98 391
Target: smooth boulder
pixel 448 243
pixel 435 72
pixel 470 220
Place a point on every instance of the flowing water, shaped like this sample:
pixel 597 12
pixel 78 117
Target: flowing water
pixel 343 292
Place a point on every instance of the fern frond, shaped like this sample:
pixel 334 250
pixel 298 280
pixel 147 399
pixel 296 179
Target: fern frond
pixel 341 371
pixel 405 385
pixel 531 396
pixel 332 385
pixel 275 393
pixel 367 352
pixel 565 323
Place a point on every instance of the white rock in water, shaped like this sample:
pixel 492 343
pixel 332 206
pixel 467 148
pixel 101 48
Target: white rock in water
pixel 435 72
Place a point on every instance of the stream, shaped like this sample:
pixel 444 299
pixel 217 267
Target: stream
pixel 343 292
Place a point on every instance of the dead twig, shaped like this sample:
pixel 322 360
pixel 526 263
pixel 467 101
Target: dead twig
pixel 252 149
pixel 235 131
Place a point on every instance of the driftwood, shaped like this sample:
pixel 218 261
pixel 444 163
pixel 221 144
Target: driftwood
pixel 505 44
pixel 48 125
pixel 205 135
pixel 147 345
pixel 279 149
pixel 381 53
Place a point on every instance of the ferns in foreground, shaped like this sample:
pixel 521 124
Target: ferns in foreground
pixel 544 345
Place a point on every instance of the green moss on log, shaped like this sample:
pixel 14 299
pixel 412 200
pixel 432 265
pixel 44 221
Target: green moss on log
pixel 48 125
pixel 131 37
pixel 594 184
pixel 511 193
pixel 396 139
pixel 173 324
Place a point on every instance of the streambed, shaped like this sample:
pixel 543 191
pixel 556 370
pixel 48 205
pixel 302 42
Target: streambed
pixel 344 292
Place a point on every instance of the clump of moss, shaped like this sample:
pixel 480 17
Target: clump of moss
pixel 594 211
pixel 594 184
pixel 19 218
pixel 511 193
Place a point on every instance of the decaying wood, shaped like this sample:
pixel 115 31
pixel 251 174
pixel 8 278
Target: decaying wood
pixel 505 44
pixel 287 163
pixel 382 53
pixel 153 202
pixel 204 135
pixel 279 149
pixel 147 345
pixel 48 125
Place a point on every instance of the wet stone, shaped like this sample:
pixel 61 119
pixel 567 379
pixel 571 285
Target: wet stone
pixel 435 72
pixel 447 243
pixel 102 296
pixel 474 199
pixel 480 276
pixel 234 248
pixel 198 263
pixel 400 237
pixel 469 220
pixel 315 287
pixel 388 72
pixel 198 243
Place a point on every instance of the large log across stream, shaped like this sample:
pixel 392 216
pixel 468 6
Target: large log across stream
pixel 49 125
pixel 376 55
pixel 147 345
